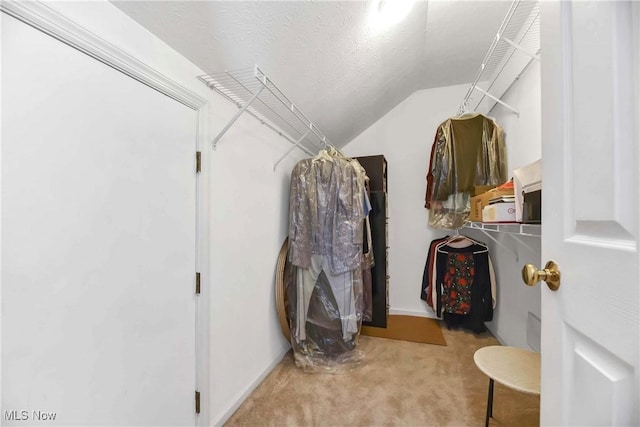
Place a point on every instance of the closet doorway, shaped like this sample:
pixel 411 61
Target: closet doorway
pixel 98 241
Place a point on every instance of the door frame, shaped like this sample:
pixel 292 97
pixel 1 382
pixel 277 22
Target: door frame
pixel 42 17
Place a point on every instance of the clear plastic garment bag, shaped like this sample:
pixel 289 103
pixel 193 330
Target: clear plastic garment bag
pixel 324 293
pixel 468 151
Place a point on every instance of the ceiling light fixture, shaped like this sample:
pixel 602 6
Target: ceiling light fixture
pixel 386 13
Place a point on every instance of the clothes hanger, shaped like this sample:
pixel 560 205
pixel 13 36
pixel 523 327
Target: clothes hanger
pixel 466 116
pixel 472 242
pixel 476 241
pixel 458 238
pixel 323 155
pixel 333 151
pixel 464 113
pixel 330 152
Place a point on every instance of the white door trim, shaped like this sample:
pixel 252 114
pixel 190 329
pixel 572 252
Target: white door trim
pixel 42 17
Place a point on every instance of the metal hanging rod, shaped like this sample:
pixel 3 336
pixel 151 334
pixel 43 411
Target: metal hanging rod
pixel 254 93
pixel 519 32
pixel 521 49
pixel 284 156
pixel 487 94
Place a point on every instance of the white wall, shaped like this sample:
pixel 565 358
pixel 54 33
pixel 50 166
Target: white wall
pixel 404 136
pixel 249 218
pixel 513 323
pixel 522 132
pixel 89 268
pixel 247 202
pixel 515 300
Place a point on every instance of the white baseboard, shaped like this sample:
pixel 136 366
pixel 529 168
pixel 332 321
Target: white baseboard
pixel 491 329
pixel 416 313
pixel 243 396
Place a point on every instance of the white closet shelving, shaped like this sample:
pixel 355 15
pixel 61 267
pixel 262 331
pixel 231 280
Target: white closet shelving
pixel 513 49
pixel 516 229
pixel 255 93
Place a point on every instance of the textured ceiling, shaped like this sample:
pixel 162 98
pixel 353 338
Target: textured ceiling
pixel 323 54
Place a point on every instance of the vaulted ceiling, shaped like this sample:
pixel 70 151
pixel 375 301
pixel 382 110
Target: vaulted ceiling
pixel 324 55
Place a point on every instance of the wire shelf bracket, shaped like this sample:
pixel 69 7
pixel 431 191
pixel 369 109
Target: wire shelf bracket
pixel 517 46
pixel 236 117
pixel 501 67
pixel 497 242
pixel 514 231
pixel 498 100
pixel 254 93
pixel 296 145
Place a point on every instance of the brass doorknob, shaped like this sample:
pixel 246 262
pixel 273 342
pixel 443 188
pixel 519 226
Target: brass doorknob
pixel 531 275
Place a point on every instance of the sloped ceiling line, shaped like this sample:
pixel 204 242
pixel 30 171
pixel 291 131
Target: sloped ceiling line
pixel 324 55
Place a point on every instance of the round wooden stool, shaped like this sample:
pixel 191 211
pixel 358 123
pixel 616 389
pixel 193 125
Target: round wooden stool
pixel 512 367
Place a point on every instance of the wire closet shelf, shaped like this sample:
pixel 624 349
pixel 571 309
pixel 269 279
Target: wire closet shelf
pixel 255 93
pixel 514 48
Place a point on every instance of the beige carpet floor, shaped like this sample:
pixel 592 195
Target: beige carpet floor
pixel 402 384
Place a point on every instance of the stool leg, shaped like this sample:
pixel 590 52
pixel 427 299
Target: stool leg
pixel 489 403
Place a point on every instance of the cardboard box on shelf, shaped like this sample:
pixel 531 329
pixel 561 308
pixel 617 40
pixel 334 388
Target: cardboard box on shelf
pixel 480 189
pixel 476 209
pixel 479 202
pixel 499 212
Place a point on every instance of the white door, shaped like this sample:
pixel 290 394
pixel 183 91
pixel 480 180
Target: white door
pixel 590 137
pixel 98 241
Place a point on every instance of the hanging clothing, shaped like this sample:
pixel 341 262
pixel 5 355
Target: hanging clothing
pixel 326 212
pixel 327 207
pixel 459 282
pixel 466 152
pixel 428 286
pixel 427 277
pixel 368 261
pixel 463 284
pixel 342 288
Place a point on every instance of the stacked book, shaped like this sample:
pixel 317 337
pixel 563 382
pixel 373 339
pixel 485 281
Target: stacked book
pixel 503 199
pixel 500 209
